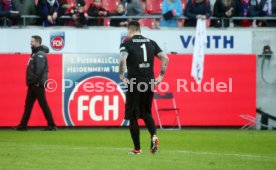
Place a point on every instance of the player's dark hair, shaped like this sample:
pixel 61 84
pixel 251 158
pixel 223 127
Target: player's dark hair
pixel 134 25
pixel 37 38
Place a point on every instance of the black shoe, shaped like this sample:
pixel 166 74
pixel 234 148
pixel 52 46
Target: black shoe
pixel 21 128
pixel 50 128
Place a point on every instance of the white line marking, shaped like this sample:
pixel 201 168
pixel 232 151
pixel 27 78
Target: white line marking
pixel 199 153
pixel 225 154
pixel 57 147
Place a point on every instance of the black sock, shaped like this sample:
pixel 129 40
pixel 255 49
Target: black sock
pixel 150 124
pixel 135 133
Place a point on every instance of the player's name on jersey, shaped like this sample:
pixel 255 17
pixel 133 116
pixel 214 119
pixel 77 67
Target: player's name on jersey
pixel 140 40
pixel 144 65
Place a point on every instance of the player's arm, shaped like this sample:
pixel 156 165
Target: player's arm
pixel 164 64
pixel 122 65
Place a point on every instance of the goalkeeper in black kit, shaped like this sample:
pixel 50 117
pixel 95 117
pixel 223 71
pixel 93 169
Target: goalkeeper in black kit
pixel 137 56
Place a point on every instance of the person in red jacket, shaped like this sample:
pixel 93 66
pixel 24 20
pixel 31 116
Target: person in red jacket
pixel 96 10
pixel 78 13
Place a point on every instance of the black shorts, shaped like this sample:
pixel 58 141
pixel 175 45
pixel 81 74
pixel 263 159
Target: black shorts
pixel 138 104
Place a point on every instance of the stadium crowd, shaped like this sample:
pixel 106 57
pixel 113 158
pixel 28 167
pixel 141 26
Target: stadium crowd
pixel 83 13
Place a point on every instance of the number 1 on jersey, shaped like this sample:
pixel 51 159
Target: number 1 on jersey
pixel 145 52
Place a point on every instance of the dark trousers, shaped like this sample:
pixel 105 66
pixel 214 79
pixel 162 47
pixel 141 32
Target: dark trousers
pixel 39 94
pixel 138 105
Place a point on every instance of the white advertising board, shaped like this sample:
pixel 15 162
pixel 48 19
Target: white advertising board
pixel 107 40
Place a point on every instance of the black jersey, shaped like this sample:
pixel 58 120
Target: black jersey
pixel 140 60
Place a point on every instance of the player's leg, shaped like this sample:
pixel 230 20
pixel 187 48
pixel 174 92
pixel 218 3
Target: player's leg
pixel 29 102
pixel 40 93
pixel 150 124
pixel 135 135
pixel 152 130
pixel 145 107
pixel 132 114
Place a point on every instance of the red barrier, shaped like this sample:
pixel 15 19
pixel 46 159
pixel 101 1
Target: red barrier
pixel 13 90
pixel 237 72
pixel 214 109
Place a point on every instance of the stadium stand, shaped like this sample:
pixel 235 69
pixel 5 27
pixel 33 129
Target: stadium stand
pixel 153 10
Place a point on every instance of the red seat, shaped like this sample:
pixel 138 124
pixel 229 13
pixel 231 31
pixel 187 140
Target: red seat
pixel 106 22
pixel 110 5
pixel 70 1
pixel 154 6
pixel 147 22
pixel 208 23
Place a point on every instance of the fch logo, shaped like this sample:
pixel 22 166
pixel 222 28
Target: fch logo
pixel 94 103
pixel 57 40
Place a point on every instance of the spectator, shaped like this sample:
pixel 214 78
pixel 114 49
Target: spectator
pixel 256 7
pixel 255 10
pixel 269 9
pixel 144 5
pixel 260 8
pixel 243 10
pixel 48 11
pixel 122 22
pixel 9 10
pixel 245 13
pixel 26 7
pixel 170 9
pixel 79 15
pixel 96 10
pixel 133 7
pixel 64 5
pixel 196 9
pixel 224 9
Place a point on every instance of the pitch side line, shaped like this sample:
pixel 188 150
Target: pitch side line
pixel 200 153
pixel 53 147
